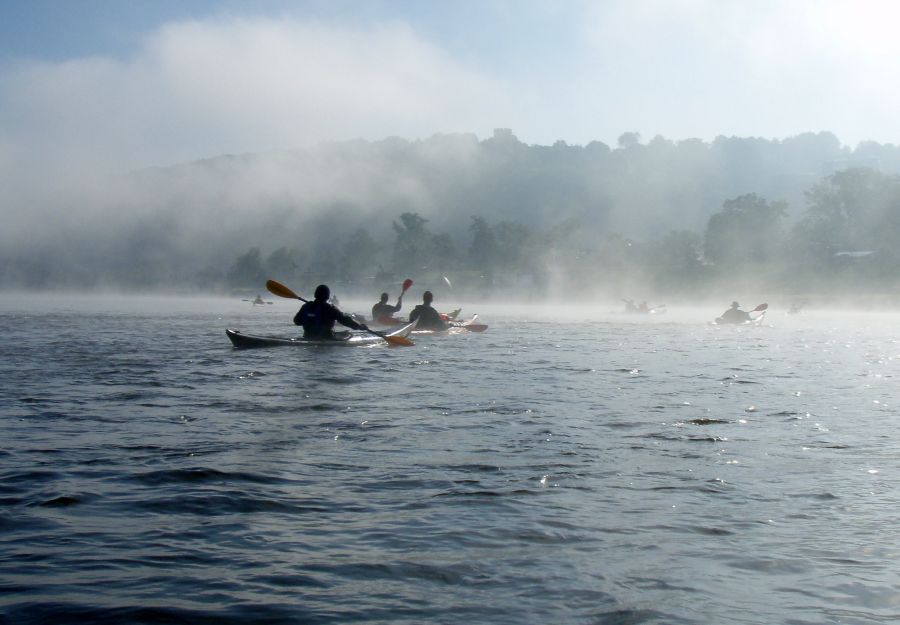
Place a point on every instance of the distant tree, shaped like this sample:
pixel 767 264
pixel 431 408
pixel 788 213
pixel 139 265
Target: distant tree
pixel 856 204
pixel 413 242
pixel 808 151
pixel 247 270
pixel 360 255
pixel 325 264
pixel 443 252
pixel 746 231
pixel 515 246
pixel 596 148
pixel 876 156
pixel 673 262
pixel 629 139
pixel 483 250
pixel 854 210
pixel 281 263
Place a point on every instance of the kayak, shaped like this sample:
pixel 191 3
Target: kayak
pixel 390 322
pixel 455 327
pixel 241 340
pixel 750 322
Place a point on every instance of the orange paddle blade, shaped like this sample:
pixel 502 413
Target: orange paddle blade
pixel 398 341
pixel 393 341
pixel 276 288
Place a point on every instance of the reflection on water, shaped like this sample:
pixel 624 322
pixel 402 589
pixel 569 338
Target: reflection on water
pixel 597 470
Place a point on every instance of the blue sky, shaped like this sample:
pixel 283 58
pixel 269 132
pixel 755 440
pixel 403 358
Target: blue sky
pixel 57 30
pixel 131 83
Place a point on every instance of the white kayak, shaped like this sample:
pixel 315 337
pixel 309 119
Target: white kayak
pixel 241 340
pixel 455 327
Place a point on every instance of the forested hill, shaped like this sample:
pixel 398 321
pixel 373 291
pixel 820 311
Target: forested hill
pixel 334 211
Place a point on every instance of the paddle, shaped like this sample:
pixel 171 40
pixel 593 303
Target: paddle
pixel 761 308
pixel 406 284
pixel 276 288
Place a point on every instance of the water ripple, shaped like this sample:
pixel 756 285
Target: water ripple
pixel 607 473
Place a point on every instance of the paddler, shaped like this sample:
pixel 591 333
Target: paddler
pixel 318 316
pixel 428 317
pixel 383 310
pixel 735 314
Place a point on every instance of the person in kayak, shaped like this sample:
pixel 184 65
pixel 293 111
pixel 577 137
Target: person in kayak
pixel 384 310
pixel 735 314
pixel 318 316
pixel 428 317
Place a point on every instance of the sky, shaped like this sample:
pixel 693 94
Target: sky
pixel 118 85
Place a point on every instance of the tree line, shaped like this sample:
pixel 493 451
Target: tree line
pixel 847 237
pixel 495 216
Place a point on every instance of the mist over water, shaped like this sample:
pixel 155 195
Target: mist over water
pixel 594 467
pixel 549 167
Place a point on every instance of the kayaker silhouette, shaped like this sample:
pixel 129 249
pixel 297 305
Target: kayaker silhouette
pixel 735 314
pixel 428 317
pixel 318 317
pixel 383 310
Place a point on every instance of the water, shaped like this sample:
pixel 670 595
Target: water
pixel 602 470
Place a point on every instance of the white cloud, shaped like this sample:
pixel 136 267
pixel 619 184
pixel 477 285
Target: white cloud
pixel 768 68
pixel 682 68
pixel 204 88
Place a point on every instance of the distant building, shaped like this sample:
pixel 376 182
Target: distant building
pixel 504 134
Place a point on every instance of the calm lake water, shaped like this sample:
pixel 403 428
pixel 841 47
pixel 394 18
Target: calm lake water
pixel 598 469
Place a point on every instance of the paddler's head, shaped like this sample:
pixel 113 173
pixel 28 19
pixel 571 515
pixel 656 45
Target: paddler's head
pixel 384 297
pixel 322 293
pixel 427 297
pixel 735 305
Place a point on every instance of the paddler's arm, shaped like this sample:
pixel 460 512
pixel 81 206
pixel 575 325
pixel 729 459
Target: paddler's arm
pixel 347 320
